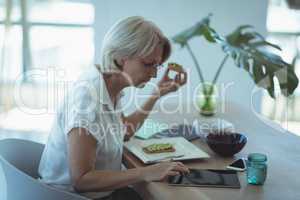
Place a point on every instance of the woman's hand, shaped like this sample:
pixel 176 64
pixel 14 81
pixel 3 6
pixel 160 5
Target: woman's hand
pixel 167 85
pixel 161 171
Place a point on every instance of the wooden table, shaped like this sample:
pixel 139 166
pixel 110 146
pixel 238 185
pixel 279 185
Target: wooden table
pixel 264 136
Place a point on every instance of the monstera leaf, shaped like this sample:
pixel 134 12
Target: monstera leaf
pixel 201 28
pixel 250 51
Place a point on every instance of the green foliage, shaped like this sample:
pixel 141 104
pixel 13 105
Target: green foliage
pixel 250 51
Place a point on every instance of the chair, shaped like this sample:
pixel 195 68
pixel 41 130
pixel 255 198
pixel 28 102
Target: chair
pixel 20 160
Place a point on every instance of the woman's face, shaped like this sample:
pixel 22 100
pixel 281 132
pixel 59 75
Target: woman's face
pixel 141 70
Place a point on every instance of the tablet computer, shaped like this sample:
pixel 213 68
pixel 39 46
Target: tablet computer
pixel 207 178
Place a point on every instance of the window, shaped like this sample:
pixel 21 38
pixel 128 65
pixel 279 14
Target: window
pixel 46 33
pixel 281 18
pixel 283 25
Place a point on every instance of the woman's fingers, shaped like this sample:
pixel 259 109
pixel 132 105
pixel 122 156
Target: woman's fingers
pixel 166 77
pixel 178 78
pixel 169 173
pixel 163 170
pixel 176 168
pixel 186 169
pixel 179 167
pixel 180 164
pixel 181 78
pixel 173 173
pixel 184 77
pixel 170 86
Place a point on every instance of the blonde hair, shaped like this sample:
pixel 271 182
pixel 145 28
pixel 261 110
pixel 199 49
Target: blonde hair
pixel 131 37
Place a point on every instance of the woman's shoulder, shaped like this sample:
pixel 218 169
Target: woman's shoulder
pixel 86 88
pixel 91 74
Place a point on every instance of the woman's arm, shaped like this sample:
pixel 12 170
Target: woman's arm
pixel 166 85
pixel 134 121
pixel 85 178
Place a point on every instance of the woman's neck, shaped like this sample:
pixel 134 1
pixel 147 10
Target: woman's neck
pixel 114 84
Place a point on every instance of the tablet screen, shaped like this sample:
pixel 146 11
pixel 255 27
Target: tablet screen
pixel 207 178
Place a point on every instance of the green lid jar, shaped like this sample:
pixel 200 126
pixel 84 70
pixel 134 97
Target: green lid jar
pixel 256 168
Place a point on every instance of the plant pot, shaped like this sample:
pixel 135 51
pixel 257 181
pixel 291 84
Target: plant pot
pixel 207 100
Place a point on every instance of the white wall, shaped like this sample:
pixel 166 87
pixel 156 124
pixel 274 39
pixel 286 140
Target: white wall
pixel 173 16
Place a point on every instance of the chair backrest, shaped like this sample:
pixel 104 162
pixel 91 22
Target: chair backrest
pixel 23 154
pixel 19 161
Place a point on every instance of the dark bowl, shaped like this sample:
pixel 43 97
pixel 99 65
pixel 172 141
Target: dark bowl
pixel 226 144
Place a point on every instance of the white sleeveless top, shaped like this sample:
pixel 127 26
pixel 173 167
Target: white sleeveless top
pixel 88 105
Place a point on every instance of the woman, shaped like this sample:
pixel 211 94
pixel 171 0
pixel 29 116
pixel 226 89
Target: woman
pixel 84 150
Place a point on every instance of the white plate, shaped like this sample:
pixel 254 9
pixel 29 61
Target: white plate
pixel 185 150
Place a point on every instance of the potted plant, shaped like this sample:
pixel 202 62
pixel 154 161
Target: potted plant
pixel 248 50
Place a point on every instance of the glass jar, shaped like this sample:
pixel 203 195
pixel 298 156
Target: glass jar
pixel 207 99
pixel 256 168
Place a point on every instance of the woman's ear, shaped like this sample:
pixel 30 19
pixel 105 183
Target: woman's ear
pixel 119 64
pixel 123 60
